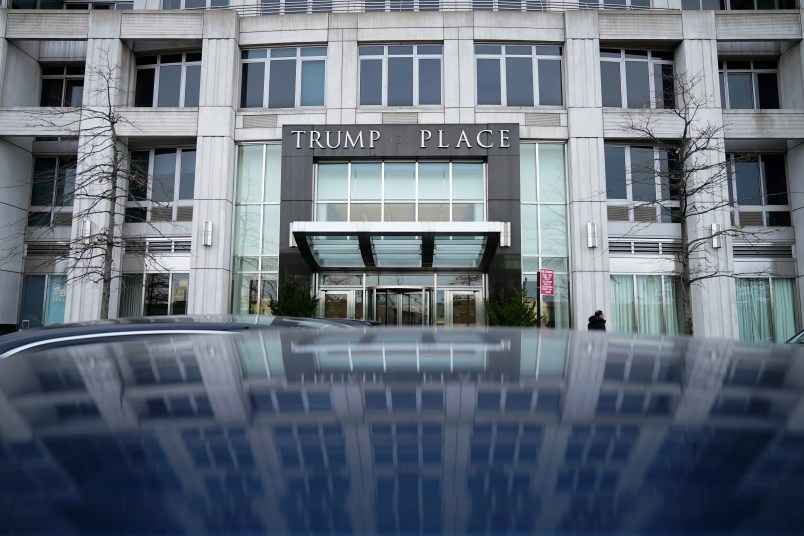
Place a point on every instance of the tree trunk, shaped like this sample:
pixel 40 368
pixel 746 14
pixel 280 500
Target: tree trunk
pixel 686 286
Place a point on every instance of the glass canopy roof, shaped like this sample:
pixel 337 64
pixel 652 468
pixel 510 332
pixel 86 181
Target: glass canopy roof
pixel 393 245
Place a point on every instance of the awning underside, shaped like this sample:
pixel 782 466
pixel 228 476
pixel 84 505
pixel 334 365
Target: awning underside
pixel 397 246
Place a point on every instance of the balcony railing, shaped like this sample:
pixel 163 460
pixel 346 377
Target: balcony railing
pixel 290 7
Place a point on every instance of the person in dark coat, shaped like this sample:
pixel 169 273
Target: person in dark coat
pixel 597 321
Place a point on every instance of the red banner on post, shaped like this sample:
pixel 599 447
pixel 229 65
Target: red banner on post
pixel 546 284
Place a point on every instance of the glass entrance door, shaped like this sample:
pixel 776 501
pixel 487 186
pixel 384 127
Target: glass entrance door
pixel 400 307
pixel 463 308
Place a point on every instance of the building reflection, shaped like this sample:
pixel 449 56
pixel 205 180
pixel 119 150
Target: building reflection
pixel 402 432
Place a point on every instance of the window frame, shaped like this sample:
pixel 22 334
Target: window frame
pixel 725 5
pixel 143 276
pixel 156 67
pixel 46 213
pixel 652 62
pixel 675 280
pixel 383 202
pixel 65 76
pixel 723 79
pixel 148 202
pixel 299 59
pixel 659 203
pixel 384 58
pixel 732 159
pixel 535 57
pixel 287 7
pixel 208 4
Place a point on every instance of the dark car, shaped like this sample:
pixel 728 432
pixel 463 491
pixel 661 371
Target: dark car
pixel 402 431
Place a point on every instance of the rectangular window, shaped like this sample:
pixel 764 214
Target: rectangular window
pixel 400 75
pixel 287 7
pixel 545 236
pixel 637 78
pixel 161 184
pixel 518 75
pixel 62 85
pixel 738 4
pixel 758 189
pixel 43 299
pixel 256 234
pixel 401 191
pixel 168 80
pixel 194 4
pixel 52 187
pixel 767 309
pixel 60 4
pixel 746 84
pixel 153 294
pixel 639 184
pixel 283 77
pixel 649 304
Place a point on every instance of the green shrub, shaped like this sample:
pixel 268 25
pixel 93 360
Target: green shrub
pixel 293 300
pixel 511 309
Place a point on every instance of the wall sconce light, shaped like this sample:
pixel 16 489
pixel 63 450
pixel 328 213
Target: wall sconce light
pixel 592 240
pixel 505 235
pixel 717 237
pixel 206 238
pixel 86 231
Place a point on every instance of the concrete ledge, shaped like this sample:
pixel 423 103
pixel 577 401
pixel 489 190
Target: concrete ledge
pixel 758 25
pixel 160 122
pixel 665 124
pixel 779 124
pixel 633 25
pixel 167 25
pixel 47 25
pixel 33 121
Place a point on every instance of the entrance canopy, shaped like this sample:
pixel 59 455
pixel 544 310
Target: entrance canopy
pixel 400 246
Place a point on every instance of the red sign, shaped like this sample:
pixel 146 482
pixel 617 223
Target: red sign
pixel 546 284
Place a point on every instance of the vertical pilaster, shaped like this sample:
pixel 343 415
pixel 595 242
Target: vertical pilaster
pixel 106 81
pixel 589 266
pixel 210 265
pixel 714 299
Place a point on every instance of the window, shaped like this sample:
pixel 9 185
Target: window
pixel 154 294
pixel 614 4
pixel 509 5
pixel 161 185
pixel 401 5
pixel 518 75
pixel 168 80
pixel 178 406
pixel 760 183
pixel 746 84
pixel 767 309
pixel 636 78
pixel 286 7
pixel 646 304
pixel 62 85
pixel 400 75
pixel 283 77
pixel 738 4
pixel 639 185
pixel 60 4
pixel 256 236
pixel 401 191
pixel 543 195
pixel 52 187
pixel 193 4
pixel 43 298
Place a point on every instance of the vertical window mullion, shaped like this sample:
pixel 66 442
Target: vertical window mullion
pixel 415 76
pixel 652 82
pixel 182 80
pixel 636 303
pixel 266 78
pixel 623 80
pixel 384 80
pixel 382 191
pixel 157 69
pixel 503 81
pixel 536 93
pixel 349 192
pixel 298 76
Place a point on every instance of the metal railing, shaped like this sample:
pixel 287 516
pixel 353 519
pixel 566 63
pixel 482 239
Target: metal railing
pixel 292 7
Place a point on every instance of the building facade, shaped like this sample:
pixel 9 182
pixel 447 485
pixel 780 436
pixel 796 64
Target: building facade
pixel 404 160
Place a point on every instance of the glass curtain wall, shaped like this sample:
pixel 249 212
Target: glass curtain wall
pixel 766 309
pixel 43 299
pixel 543 193
pixel 400 191
pixel 649 304
pixel 154 294
pixel 256 236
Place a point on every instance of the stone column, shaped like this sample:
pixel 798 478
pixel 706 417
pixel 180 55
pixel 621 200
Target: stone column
pixel 714 300
pixel 108 67
pixel 211 265
pixel 791 80
pixel 589 266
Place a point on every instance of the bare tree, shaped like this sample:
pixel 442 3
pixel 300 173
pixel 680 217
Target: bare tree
pixel 694 180
pixel 99 183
